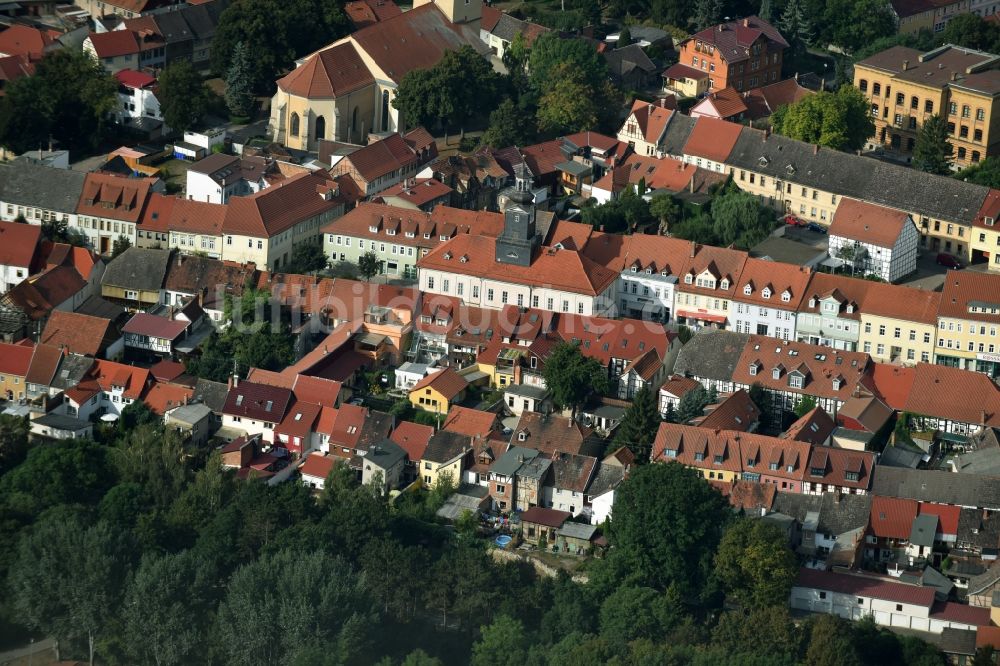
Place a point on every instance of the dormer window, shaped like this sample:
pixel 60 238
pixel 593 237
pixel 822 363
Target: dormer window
pixel 699 457
pixel 766 293
pixel 687 279
pixel 753 369
pixel 812 302
pixel 794 380
pixel 464 258
pixel 773 467
pixel 663 272
pixel 670 453
pixel 649 271
pixel 444 237
pixel 373 228
pixel 747 290
pixel 790 468
pixel 836 384
pixel 988 221
pixel 776 373
pixel 724 284
pixel 816 471
pixel 410 234
pixel 751 462
pixel 447 255
pixel 850 307
pixel 717 459
pixel 634 269
pixel 427 236
pixel 852 476
pixel 762 161
pixel 785 296
pixel 521 436
pixel 390 232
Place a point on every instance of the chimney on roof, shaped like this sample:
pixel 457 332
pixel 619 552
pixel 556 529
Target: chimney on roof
pixel 746 23
pixel 693 248
pixel 954 76
pixel 180 259
pixel 906 64
pixel 796 77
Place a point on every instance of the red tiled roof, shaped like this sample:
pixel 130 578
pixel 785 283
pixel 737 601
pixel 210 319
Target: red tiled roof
pixel 679 385
pixel 275 209
pixel 734 38
pixel 868 223
pixel 78 333
pixel 416 39
pixel 467 421
pixel 154 327
pixel 15 359
pixel 778 278
pixel 906 303
pixel 318 465
pixel 547 517
pixel 413 437
pixel 728 103
pixel 363 13
pixel 14 67
pixel 126 196
pixel 327 417
pixel 651 119
pixel 963 289
pixel 156 214
pixel 114 43
pixel 163 397
pixel 834 465
pixel 814 427
pixel 943 392
pixel 24 40
pixel 737 413
pixel 44 363
pixel 379 158
pixel 167 371
pixel 947 516
pixel 251 400
pixel 18 244
pixel 133 79
pixel 109 374
pixel 39 294
pixel 891 383
pixel 421 192
pixel 954 612
pixel 864 586
pixel 658 173
pixel 712 139
pixel 767 99
pixel 330 73
pixel 196 217
pixel 564 270
pixel 447 382
pixel 891 517
pixel 820 365
pixel 316 389
pixel 680 71
pixel 299 420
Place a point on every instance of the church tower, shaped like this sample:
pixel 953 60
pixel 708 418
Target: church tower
pixel 463 12
pixel 519 240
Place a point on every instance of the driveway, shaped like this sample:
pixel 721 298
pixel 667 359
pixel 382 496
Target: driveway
pixel 928 275
pixel 806 237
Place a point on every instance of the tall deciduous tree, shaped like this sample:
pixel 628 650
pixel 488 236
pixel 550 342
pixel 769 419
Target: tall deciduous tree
pixel 840 120
pixel 638 427
pixel 569 104
pixel 504 642
pixel 462 85
pixel 986 172
pixel 67 579
pixel 755 565
pixel 13 441
pixel 183 96
pixel 932 152
pixel 571 376
pixel 369 265
pixel 853 24
pixel 68 99
pixel 510 125
pixel 707 13
pixel 666 529
pixel 740 219
pixel 239 83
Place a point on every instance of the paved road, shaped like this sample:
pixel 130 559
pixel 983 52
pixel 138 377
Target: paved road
pixel 44 650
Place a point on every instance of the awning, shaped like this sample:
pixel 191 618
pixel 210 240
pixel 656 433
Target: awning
pixel 702 316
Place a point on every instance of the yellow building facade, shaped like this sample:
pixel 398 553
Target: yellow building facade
pixel 896 341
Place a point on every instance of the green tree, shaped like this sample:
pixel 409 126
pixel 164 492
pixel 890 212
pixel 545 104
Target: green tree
pixel 569 104
pixel 462 85
pixel 830 642
pixel 308 258
pixel 840 120
pixel 986 172
pixel 666 529
pixel 67 579
pixel 971 31
pixel 183 96
pixel 692 404
pixel 666 208
pixel 740 218
pixel 551 53
pixel 510 125
pixel 627 212
pixel 69 99
pixel 760 630
pixel 624 38
pixel 853 24
pixel 368 265
pixel 571 376
pixel 515 59
pixel 755 565
pixel 766 12
pixel 239 84
pixel 121 244
pixel 804 406
pixel 66 472
pixel 631 613
pixel 420 658
pixel 638 427
pixel 932 152
pixel 13 441
pixel 762 399
pixel 795 26
pixel 166 592
pixel 707 13
pixel 502 643
pixel 321 602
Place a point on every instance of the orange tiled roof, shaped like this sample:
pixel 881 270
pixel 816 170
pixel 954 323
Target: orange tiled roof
pixel 78 333
pixel 819 365
pixel 778 278
pixel 447 382
pixel 712 139
pixel 163 397
pixel 965 289
pixel 868 223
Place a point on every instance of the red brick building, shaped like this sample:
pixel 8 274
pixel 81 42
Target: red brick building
pixel 742 54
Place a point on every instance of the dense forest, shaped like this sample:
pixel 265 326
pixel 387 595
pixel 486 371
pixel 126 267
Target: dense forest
pixel 144 551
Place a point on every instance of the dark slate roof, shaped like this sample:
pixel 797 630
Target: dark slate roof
pixel 386 455
pixel 72 369
pixel 622 61
pixel 926 485
pixel 711 354
pixel 212 394
pixel 507 27
pixel 444 446
pixel 61 422
pixel 863 178
pixel 981 532
pixel 138 268
pixel 28 184
pixel 95 306
pixel 850 513
pixel 606 477
pixel 678 131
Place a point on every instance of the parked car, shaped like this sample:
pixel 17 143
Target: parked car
pixel 948 261
pixel 356 401
pixel 818 228
pixel 794 221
